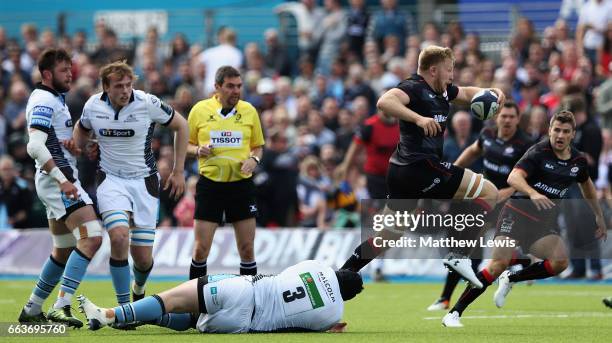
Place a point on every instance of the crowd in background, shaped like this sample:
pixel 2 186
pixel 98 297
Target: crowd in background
pixel 310 107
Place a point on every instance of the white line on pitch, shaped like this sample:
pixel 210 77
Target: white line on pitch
pixel 7 301
pixel 538 315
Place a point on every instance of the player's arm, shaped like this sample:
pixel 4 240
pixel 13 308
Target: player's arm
pixel 469 155
pixel 176 181
pixel 37 149
pixel 590 195
pixel 466 94
pixel 518 180
pixel 393 103
pixel 80 135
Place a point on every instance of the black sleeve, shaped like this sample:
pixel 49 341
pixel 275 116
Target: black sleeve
pixel 583 173
pixel 529 161
pixel 407 87
pixel 364 133
pixel 452 91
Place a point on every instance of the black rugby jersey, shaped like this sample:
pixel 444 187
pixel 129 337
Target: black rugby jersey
pixel 499 156
pixel 414 145
pixel 550 175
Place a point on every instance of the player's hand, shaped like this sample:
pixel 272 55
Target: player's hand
pixel 542 202
pixel 501 98
pixel 248 166
pixel 69 190
pixel 176 183
pixel 429 126
pixel 92 150
pixel 71 146
pixel 602 231
pixel 338 328
pixel 204 150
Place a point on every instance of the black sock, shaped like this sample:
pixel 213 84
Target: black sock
pixel 362 255
pixel 248 268
pixel 538 270
pixel 471 293
pixel 519 258
pixel 452 279
pixel 197 269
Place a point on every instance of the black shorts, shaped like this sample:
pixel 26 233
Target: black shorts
pixel 519 219
pixel 423 179
pixel 235 199
pixel 377 186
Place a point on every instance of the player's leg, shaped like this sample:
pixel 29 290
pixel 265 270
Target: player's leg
pixel 151 309
pixel 116 223
pixel 499 262
pixel 478 196
pixel 204 232
pixel 63 244
pixel 88 233
pixel 142 236
pixel 241 210
pixel 245 239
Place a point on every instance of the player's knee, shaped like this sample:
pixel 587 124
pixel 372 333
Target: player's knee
pixel 481 188
pixel 559 265
pixel 89 237
pixel 142 237
pixel 119 240
pixel 496 267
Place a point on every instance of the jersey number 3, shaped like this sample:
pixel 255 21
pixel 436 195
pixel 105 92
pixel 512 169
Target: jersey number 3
pixel 289 296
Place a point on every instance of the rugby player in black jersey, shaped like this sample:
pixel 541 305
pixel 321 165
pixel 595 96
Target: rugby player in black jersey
pixel 543 175
pixel 500 147
pixel 421 103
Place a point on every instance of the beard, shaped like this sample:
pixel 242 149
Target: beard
pixel 60 87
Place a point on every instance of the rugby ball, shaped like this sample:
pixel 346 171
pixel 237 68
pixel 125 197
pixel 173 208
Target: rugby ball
pixel 484 104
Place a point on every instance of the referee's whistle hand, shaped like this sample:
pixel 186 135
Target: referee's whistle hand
pixel 429 125
pixel 176 183
pixel 248 166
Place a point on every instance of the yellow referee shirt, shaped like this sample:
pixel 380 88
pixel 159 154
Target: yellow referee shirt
pixel 232 137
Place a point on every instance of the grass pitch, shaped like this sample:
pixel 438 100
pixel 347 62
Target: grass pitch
pixel 393 312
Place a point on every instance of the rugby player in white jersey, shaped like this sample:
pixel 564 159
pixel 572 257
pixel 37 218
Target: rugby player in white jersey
pixel 308 296
pixel 123 120
pixel 72 219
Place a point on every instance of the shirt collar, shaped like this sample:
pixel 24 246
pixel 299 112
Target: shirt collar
pixel 52 91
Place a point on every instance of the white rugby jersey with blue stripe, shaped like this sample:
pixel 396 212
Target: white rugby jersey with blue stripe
pixel 47 111
pixel 124 136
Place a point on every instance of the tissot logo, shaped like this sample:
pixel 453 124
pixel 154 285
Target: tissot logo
pixel 226 133
pixel 116 132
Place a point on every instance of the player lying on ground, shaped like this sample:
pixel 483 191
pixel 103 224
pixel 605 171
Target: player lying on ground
pixel 305 297
pixel 543 175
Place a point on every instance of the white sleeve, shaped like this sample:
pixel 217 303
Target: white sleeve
pixel 159 111
pixel 41 118
pixel 85 120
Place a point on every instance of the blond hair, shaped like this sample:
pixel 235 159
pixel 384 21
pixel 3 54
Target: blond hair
pixel 118 68
pixel 432 55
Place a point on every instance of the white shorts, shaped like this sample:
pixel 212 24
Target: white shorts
pixel 57 205
pixel 131 195
pixel 229 302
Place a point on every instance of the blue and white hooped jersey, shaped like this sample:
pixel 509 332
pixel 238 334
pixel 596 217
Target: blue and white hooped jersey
pixel 47 111
pixel 124 136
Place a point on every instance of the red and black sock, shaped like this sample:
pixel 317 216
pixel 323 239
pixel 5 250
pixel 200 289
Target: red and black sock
pixel 519 258
pixel 538 270
pixel 470 294
pixel 362 255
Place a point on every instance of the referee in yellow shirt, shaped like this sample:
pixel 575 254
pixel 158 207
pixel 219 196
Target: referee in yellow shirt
pixel 225 133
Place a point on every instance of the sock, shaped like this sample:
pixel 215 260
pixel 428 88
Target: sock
pixel 248 268
pixel 140 278
pixel 49 277
pixel 357 260
pixel 538 270
pixel 76 266
pixel 120 273
pixel 144 310
pixel 452 279
pixel 470 294
pixel 197 269
pixel 176 321
pixel 519 258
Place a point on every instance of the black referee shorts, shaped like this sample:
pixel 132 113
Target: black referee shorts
pixel 423 179
pixel 235 199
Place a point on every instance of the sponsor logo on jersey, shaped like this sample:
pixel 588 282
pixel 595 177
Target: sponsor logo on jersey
pixel 42 111
pixel 311 289
pixel 548 189
pixel 549 166
pixel 327 286
pixel 130 119
pixel 116 132
pixel 211 117
pixel 68 123
pixel 487 142
pixel 502 169
pixel 102 117
pixel 40 122
pixel 509 151
pixel 439 118
pixel 574 169
pixel 238 118
pixel 213 295
pixel 433 184
pixel 226 139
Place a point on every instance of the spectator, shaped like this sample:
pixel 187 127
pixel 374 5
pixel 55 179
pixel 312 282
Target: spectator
pixel 15 196
pixel 592 25
pixel 308 16
pixel 225 53
pixel 109 50
pixel 391 21
pixel 358 19
pixel 462 138
pixel 15 108
pixel 329 34
pixel 322 135
pixel 312 201
pixel 604 54
pixel 276 57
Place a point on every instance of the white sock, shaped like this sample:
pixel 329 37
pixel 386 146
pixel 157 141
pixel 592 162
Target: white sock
pixel 62 301
pixel 34 305
pixel 138 289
